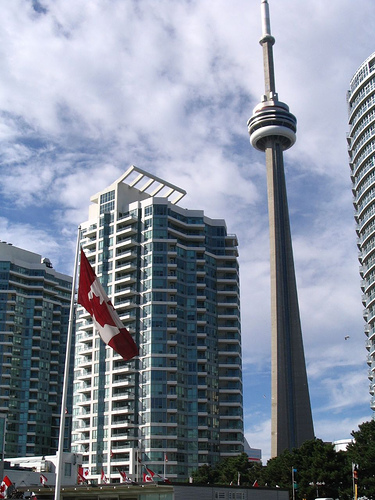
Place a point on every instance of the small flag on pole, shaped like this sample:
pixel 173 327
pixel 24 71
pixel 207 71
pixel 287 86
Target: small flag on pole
pixel 93 298
pixel 164 479
pixel 148 477
pixel 103 478
pixel 43 479
pixel 83 473
pixel 6 482
pixel 124 477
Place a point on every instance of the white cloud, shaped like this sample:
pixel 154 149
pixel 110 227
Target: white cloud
pixel 89 88
pixel 346 392
pixel 31 238
pixel 333 430
pixel 258 437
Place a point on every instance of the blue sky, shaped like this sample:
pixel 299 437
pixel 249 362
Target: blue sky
pixel 89 88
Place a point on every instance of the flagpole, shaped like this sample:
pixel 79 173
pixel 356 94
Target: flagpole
pixel 139 460
pixel 109 460
pixel 66 376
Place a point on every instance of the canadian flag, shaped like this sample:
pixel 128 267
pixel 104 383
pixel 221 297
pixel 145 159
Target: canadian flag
pixel 43 479
pixel 93 298
pixel 6 482
pixel 124 477
pixel 82 475
pixel 103 478
pixel 148 477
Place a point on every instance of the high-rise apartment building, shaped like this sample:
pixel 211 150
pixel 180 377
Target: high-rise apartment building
pixel 172 275
pixel 361 144
pixel 34 315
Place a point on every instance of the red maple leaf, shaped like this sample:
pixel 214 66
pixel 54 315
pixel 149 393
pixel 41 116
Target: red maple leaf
pixel 102 311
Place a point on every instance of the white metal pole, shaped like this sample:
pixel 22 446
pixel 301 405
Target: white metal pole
pixel 139 461
pixel 66 376
pixel 109 460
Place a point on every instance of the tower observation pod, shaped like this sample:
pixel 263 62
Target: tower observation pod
pixel 272 129
pixel 271 120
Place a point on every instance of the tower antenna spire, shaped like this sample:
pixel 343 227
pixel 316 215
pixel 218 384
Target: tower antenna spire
pixel 272 129
pixel 267 42
pixel 266 24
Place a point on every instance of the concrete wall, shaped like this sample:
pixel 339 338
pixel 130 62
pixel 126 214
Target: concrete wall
pixel 187 492
pixel 164 492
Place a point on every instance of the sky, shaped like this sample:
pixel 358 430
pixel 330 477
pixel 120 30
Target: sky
pixel 89 88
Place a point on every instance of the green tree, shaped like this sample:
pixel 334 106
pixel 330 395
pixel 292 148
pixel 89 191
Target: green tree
pixel 232 468
pixel 278 471
pixel 229 471
pixel 255 473
pixel 362 453
pixel 319 469
pixel 238 469
pixel 205 475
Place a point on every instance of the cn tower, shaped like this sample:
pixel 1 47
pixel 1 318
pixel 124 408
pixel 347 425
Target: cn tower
pixel 272 129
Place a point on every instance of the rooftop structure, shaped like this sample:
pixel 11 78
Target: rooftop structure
pixel 26 471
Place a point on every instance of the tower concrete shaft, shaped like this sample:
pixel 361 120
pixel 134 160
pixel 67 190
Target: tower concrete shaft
pixel 272 129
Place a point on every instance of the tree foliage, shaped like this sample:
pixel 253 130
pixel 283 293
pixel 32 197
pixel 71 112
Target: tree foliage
pixel 229 471
pixel 318 470
pixel 362 453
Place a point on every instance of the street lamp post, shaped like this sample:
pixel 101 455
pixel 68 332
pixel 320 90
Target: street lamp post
pixel 317 484
pixel 294 484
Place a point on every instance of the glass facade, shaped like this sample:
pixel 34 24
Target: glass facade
pixel 361 140
pixel 3 423
pixel 34 314
pixel 173 277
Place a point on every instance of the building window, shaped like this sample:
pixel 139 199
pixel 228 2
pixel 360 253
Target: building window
pixel 67 469
pixel 104 198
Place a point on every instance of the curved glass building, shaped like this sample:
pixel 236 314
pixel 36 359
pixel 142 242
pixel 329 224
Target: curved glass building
pixel 361 140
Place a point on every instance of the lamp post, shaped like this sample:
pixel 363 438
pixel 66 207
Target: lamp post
pixel 294 483
pixel 317 484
